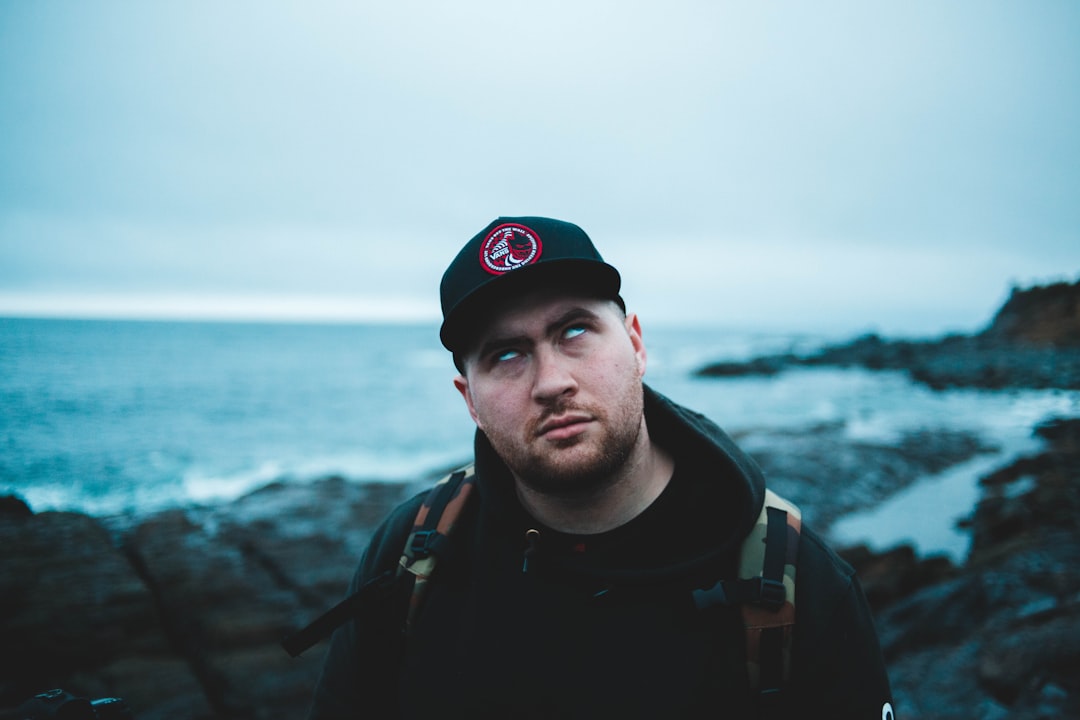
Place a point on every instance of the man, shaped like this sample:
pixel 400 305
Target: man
pixel 601 511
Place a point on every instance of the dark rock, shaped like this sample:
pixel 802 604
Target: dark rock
pixel 888 576
pixel 1033 342
pixel 1030 499
pixel 1064 433
pixel 219 607
pixel 1048 315
pixel 763 366
pixel 1030 654
pixel 14 508
pixel 75 614
pixel 999 636
pixel 181 613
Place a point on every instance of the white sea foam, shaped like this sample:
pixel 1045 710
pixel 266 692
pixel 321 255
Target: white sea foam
pixel 207 486
pixel 203 487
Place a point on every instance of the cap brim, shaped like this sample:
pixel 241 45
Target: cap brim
pixel 467 318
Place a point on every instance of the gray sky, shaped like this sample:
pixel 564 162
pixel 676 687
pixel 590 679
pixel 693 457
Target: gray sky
pixel 786 165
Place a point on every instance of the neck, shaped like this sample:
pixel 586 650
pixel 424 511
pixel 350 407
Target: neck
pixel 635 487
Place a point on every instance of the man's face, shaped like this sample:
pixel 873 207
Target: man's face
pixel 555 382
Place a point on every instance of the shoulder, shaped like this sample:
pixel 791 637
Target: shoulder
pixel 838 666
pixel 824 580
pixel 818 558
pixel 829 598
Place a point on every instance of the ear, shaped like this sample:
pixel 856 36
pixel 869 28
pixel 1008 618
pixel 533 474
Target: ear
pixel 633 329
pixel 462 385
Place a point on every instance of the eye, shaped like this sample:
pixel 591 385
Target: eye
pixel 574 331
pixel 502 356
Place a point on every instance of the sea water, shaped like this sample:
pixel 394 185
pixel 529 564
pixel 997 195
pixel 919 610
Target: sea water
pixel 110 417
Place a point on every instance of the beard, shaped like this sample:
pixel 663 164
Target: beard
pixel 584 464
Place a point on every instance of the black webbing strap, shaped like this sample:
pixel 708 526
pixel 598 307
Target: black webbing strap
pixel 772 667
pixel 322 626
pixel 772 575
pixel 771 656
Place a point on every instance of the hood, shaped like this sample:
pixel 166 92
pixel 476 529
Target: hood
pixel 707 454
pixel 727 485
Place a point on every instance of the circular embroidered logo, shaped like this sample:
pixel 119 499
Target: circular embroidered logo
pixel 509 247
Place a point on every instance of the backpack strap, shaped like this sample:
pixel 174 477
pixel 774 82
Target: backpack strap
pixel 768 557
pixel 433 523
pixel 435 520
pixel 765 592
pixel 304 639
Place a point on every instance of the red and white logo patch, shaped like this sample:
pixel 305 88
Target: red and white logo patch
pixel 509 247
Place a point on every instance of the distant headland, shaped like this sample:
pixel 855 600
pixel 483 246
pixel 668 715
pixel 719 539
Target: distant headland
pixel 1033 341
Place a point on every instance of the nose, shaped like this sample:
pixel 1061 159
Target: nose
pixel 552 376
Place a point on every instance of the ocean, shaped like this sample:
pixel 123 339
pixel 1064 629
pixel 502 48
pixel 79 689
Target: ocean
pixel 110 417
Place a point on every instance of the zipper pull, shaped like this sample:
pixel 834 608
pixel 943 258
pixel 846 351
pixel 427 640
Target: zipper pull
pixel 532 537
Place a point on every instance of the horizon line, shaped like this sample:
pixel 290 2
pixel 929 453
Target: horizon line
pixel 211 308
pixel 402 309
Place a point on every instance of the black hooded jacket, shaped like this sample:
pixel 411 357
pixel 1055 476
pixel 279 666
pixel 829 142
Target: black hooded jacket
pixel 598 626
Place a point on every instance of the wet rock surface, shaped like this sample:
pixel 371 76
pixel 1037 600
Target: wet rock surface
pixel 181 613
pixel 1000 636
pixel 830 475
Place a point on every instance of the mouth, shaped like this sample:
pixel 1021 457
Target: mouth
pixel 565 426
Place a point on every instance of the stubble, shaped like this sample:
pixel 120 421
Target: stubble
pixel 582 465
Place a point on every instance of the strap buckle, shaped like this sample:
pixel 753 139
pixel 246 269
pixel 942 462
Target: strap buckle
pixel 772 594
pixel 422 543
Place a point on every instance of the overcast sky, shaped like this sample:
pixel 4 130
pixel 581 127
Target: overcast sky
pixel 865 165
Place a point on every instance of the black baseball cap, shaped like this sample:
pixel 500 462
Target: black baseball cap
pixel 512 256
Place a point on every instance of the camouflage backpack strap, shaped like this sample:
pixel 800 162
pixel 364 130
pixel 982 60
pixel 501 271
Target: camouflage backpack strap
pixel 435 520
pixel 768 558
pixel 765 593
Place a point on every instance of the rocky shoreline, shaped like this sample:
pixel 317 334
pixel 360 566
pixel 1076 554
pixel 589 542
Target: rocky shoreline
pixel 999 635
pixel 182 612
pixel 1032 342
